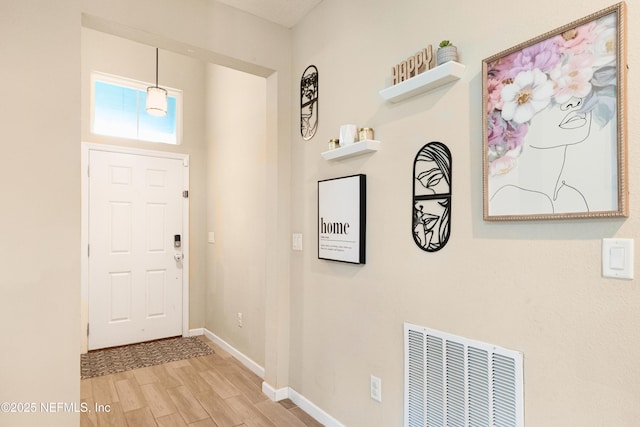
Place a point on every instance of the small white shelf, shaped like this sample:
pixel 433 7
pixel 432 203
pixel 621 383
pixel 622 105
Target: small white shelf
pixel 352 150
pixel 431 79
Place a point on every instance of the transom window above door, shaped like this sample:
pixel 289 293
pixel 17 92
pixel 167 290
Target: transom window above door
pixel 118 109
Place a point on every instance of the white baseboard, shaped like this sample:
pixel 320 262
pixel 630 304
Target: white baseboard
pixel 196 332
pixel 310 408
pixel 273 394
pixel 250 364
pixel 302 402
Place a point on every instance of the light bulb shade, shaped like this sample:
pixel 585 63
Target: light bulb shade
pixel 156 101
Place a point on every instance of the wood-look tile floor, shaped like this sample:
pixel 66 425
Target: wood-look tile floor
pixel 209 391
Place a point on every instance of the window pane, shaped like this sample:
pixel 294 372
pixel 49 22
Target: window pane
pixel 115 110
pixel 120 110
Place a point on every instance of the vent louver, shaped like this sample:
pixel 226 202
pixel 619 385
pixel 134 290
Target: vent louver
pixel 452 381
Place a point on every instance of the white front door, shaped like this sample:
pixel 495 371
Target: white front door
pixel 135 263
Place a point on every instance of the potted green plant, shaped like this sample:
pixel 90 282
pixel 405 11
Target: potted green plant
pixel 446 52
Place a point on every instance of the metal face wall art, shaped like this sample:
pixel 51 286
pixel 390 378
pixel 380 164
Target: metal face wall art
pixel 309 102
pixel 432 197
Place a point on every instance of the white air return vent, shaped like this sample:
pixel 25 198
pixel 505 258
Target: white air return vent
pixel 452 381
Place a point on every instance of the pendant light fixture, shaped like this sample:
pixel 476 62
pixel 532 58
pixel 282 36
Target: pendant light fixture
pixel 156 97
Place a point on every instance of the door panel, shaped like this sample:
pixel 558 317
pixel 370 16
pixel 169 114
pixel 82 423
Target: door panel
pixel 135 283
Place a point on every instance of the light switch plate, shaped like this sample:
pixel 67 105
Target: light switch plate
pixel 617 258
pixel 296 241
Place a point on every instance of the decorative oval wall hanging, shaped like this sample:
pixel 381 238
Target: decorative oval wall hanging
pixel 309 102
pixel 432 197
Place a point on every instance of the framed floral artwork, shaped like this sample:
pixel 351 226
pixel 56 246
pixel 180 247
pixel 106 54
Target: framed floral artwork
pixel 554 140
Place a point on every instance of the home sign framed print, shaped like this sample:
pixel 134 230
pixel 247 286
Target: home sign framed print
pixel 342 218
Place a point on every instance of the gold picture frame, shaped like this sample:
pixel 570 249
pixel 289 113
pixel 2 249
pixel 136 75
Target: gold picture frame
pixel 554 135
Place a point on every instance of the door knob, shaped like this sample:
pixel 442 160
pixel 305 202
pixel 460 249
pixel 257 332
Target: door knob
pixel 178 256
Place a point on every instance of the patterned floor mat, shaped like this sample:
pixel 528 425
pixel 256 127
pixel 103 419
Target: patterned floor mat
pixel 119 359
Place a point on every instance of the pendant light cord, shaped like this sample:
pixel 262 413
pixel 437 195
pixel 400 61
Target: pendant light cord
pixel 156 67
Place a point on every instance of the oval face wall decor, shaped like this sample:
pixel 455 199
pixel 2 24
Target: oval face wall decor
pixel 432 197
pixel 309 102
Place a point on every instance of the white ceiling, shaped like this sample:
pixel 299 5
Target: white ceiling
pixel 284 12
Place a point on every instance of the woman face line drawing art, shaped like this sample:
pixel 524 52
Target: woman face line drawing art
pixel 572 126
pixel 431 224
pixel 309 102
pixel 551 124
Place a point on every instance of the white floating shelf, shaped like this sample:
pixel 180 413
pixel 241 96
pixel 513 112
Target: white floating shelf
pixel 352 150
pixel 431 79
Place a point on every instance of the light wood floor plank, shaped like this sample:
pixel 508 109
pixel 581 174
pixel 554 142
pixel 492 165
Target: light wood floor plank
pixel 247 387
pixel 204 423
pixel 173 420
pixel 192 380
pixel 130 395
pixel 187 404
pixel 140 418
pixel 208 391
pixel 218 410
pixel 248 412
pixel 178 363
pixel 158 399
pixel 166 376
pixel 259 422
pixel 114 418
pixel 145 376
pixel 104 390
pixel 223 387
pixel 278 414
pixel 88 419
pixel 307 419
pixel 86 389
pixel 200 363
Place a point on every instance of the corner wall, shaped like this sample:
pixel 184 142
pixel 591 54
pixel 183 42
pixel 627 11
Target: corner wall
pixel 236 214
pixel 535 287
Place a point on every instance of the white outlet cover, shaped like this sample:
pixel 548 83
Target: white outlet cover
pixel 617 258
pixel 376 388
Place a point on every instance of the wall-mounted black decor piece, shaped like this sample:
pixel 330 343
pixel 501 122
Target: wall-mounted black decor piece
pixel 342 219
pixel 309 102
pixel 432 197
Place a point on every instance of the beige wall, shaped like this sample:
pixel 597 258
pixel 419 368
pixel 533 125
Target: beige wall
pixel 236 194
pixel 40 184
pixel 533 287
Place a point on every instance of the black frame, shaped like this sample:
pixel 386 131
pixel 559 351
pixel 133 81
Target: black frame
pixel 432 188
pixel 309 90
pixel 359 203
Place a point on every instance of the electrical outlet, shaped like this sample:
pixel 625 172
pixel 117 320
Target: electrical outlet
pixel 239 320
pixel 376 388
